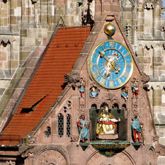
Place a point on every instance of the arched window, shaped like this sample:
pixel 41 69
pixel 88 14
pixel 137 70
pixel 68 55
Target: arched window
pixel 68 125
pixel 115 106
pixel 124 107
pixel 93 106
pixel 104 104
pixel 60 125
pixel 48 131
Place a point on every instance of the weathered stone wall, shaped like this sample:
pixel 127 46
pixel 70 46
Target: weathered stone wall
pixel 21 32
pixel 25 26
pixel 143 23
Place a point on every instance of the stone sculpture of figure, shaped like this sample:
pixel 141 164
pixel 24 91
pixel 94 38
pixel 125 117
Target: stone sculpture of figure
pixel 106 122
pixel 124 93
pixel 93 92
pixel 82 87
pixel 134 87
pixel 136 130
pixel 83 127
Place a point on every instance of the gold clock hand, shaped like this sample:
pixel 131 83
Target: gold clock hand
pixel 116 69
pixel 110 62
pixel 102 55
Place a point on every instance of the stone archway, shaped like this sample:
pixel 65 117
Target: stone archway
pixel 122 158
pixel 50 157
pixel 96 159
pixel 46 155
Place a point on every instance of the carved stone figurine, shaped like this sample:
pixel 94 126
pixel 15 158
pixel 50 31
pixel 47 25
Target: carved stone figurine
pixel 83 128
pixel 82 87
pixel 124 93
pixel 94 91
pixel 134 87
pixel 136 130
pixel 106 124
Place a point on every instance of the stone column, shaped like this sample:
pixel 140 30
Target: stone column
pixel 157 13
pixel 140 54
pixel 4 16
pixel 150 96
pixel 44 13
pixel 157 98
pixel 75 116
pixel 140 20
pixel 148 20
pixel 37 13
pixel 157 62
pixel 31 14
pixel 147 59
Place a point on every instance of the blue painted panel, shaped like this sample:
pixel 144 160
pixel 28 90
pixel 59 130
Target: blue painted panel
pixel 115 62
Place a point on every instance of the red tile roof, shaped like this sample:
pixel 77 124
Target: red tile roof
pixel 45 85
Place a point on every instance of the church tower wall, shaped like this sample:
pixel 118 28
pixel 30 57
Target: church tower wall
pixel 26 27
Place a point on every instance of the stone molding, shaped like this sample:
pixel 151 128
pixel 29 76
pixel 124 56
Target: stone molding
pixel 38 150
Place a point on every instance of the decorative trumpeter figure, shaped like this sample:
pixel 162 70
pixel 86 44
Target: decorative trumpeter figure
pixel 106 124
pixel 82 87
pixel 135 88
pixel 83 128
pixel 136 128
pixel 124 93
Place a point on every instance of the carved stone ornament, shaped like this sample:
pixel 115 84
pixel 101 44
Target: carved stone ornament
pixel 29 140
pixel 71 80
pixel 94 92
pixel 145 78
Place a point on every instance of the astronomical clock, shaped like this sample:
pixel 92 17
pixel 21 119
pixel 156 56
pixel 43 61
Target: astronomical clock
pixel 115 122
pixel 110 67
pixel 111 64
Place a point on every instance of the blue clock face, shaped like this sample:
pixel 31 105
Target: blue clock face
pixel 111 64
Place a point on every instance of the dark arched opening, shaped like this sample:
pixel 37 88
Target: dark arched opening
pixel 93 118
